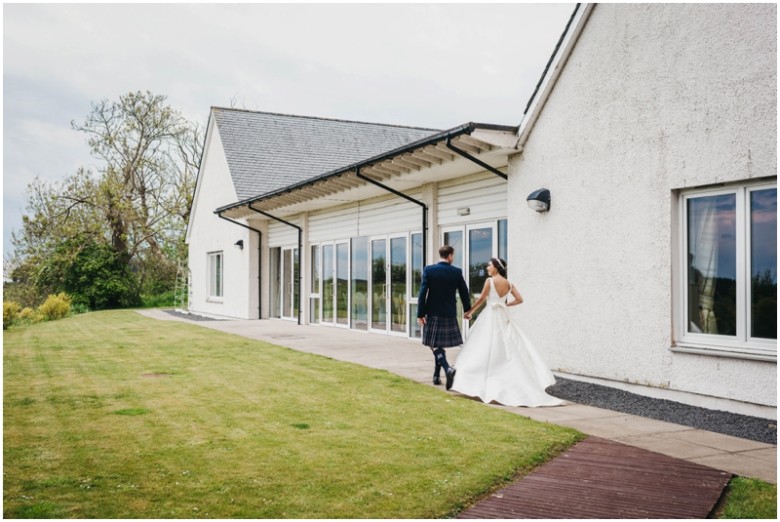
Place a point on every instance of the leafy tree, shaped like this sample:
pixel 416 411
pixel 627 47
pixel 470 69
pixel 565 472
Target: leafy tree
pixel 151 156
pixel 136 205
pixel 97 278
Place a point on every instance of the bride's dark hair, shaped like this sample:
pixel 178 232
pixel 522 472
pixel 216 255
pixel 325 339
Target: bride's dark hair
pixel 499 264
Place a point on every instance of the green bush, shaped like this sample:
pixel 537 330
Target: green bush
pixel 98 279
pixel 55 306
pixel 11 312
pixel 78 308
pixel 165 299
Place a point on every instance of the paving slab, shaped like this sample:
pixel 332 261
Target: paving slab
pixel 569 412
pixel 761 464
pixel 670 444
pixel 725 443
pixel 621 426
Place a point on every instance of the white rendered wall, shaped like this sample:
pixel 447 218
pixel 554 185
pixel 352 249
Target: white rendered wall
pixel 654 98
pixel 209 233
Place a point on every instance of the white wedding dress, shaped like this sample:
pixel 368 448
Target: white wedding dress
pixel 498 362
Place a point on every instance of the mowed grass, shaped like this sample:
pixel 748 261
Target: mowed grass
pixel 749 498
pixel 114 415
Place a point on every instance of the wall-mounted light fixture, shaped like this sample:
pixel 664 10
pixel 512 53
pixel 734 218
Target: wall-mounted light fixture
pixel 465 211
pixel 239 244
pixel 539 200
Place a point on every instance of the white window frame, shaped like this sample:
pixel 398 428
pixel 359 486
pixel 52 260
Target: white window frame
pixel 336 245
pixel 741 345
pixel 292 249
pixel 216 285
pixel 323 277
pixel 315 293
pixel 412 299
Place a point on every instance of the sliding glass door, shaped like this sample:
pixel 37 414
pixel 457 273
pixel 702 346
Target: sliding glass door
pixel 359 280
pixel 389 286
pixel 474 246
pixel 289 283
pixel 378 301
pixel 397 283
pixel 365 283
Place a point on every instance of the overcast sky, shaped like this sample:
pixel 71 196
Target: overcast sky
pixel 426 65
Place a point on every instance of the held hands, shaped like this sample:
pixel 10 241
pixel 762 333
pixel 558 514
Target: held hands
pixel 467 315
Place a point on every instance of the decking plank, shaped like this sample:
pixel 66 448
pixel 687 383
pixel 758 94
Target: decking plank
pixel 598 478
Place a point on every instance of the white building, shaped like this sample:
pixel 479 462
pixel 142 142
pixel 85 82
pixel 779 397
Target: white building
pixel 654 129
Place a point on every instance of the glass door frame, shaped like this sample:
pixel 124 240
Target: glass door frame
pixel 323 263
pixel 413 297
pixel 465 255
pixel 404 330
pixel 348 282
pixel 292 282
pixel 333 277
pixel 387 238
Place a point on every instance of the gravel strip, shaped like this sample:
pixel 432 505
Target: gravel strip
pixel 742 426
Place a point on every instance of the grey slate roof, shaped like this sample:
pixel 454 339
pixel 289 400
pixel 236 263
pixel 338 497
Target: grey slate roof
pixel 267 151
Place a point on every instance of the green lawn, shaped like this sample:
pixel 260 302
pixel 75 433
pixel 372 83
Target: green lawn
pixel 749 498
pixel 113 415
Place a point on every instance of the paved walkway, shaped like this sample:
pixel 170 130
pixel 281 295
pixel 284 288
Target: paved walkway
pixel 406 357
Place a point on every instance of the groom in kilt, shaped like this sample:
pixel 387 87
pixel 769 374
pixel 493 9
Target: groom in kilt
pixel 437 313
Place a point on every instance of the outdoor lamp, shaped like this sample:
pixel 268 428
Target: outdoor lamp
pixel 539 200
pixel 239 244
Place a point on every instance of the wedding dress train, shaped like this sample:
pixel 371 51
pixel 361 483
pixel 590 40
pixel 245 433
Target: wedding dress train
pixel 499 363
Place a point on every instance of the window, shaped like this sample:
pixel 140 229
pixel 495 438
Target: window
pixel 314 310
pixel 502 239
pixel 416 276
pixel 729 251
pixel 342 283
pixel 360 283
pixel 215 274
pixel 276 281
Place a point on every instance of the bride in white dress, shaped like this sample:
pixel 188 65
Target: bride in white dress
pixel 498 362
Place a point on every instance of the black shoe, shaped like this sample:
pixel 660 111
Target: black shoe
pixel 436 380
pixel 450 377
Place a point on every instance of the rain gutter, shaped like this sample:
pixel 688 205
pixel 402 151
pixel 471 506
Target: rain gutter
pixel 408 198
pixel 259 261
pixel 300 254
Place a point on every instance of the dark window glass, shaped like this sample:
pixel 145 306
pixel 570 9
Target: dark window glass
pixel 712 270
pixel 763 263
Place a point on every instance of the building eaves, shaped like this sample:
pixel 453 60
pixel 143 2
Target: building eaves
pixel 439 137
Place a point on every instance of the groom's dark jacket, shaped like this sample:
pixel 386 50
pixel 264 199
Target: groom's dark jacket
pixel 440 282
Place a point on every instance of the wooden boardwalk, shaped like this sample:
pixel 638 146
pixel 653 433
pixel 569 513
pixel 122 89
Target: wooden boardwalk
pixel 598 478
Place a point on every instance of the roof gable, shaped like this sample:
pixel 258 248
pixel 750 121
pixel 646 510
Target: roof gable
pixel 268 151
